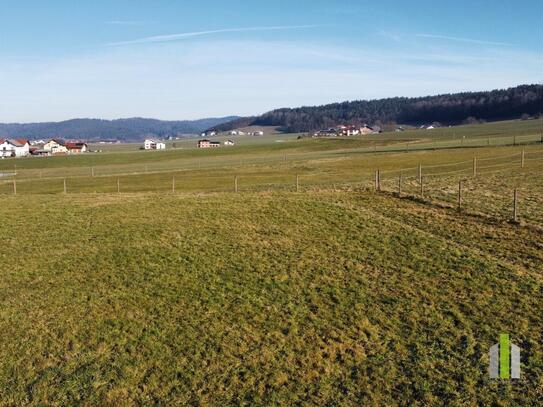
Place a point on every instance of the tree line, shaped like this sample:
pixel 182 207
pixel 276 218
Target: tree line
pixel 448 109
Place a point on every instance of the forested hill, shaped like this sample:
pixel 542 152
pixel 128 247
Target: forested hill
pixel 447 109
pixel 123 129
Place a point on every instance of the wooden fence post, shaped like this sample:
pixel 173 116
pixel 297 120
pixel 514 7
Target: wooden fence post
pixel 236 183
pixel 475 167
pixel 522 159
pixel 65 189
pixel 400 185
pixel 460 195
pixel 515 205
pixel 376 186
pixel 118 186
pixel 14 187
pixel 297 183
pixel 173 185
pixel 379 180
pixel 422 187
pixel 420 173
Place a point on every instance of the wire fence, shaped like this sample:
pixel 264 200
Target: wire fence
pixel 72 165
pixel 508 186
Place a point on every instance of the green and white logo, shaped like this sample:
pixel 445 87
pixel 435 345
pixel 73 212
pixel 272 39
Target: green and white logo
pixel 504 359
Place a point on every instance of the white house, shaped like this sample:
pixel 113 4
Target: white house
pixel 56 146
pixel 151 144
pixel 211 133
pixel 76 147
pixel 229 143
pixel 14 148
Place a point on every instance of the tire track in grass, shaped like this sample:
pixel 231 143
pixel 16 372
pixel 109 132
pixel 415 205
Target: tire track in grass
pixel 424 232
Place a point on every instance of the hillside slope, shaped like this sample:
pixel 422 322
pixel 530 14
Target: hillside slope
pixel 448 109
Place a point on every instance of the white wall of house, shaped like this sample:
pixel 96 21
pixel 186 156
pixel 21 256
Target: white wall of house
pixel 8 149
pixel 54 147
pixel 22 151
pixel 150 144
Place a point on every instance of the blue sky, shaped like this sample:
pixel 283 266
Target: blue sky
pixel 171 59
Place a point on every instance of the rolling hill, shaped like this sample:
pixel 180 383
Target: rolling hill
pixel 447 109
pixel 122 129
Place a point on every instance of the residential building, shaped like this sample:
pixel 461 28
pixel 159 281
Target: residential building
pixel 210 133
pixel 152 144
pixel 348 130
pixel 76 147
pixel 14 148
pixel 365 129
pixel 229 143
pixel 208 144
pixel 326 133
pixel 56 146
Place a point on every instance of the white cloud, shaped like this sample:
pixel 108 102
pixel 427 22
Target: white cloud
pixel 189 80
pixel 187 35
pixel 466 40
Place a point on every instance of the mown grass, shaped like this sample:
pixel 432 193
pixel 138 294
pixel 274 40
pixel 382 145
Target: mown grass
pixel 322 297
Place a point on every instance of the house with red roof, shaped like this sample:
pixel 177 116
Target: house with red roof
pixel 14 148
pixel 76 147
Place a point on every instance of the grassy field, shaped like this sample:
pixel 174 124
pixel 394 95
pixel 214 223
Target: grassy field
pixel 326 297
pixel 499 172
pixel 332 295
pixel 272 148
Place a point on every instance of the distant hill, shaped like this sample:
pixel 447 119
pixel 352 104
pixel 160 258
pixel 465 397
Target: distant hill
pixel 447 109
pixel 123 129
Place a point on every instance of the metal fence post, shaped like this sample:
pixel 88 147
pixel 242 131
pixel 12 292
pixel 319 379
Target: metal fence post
pixel 515 205
pixel 459 194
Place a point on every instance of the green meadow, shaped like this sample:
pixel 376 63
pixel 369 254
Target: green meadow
pixel 150 281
